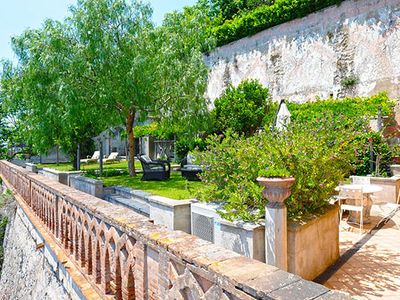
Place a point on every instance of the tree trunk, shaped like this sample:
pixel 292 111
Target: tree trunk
pixel 131 142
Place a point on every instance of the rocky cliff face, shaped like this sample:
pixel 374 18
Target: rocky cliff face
pixel 26 273
pixel 346 50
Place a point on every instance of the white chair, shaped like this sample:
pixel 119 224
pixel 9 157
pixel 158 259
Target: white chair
pixel 94 158
pixel 355 194
pixel 360 180
pixel 113 157
pixel 389 211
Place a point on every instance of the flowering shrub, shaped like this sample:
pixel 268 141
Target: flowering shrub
pixel 317 153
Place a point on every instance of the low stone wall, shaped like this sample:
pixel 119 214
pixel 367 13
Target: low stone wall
pixel 174 214
pixel 314 246
pixel 31 167
pixel 87 185
pixel 124 256
pixel 390 187
pixel 59 176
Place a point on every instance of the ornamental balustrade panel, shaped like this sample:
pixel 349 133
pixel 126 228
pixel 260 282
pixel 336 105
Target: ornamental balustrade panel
pixel 123 255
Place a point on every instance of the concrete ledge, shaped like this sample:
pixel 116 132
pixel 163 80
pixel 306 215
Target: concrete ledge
pixel 73 281
pixel 31 167
pixel 62 177
pixel 87 185
pixel 395 170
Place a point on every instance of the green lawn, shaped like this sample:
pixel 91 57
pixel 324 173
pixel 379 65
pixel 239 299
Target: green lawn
pixel 176 187
pixel 95 166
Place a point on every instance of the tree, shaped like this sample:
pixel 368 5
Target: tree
pixel 243 108
pixel 44 95
pixel 139 71
pixel 105 66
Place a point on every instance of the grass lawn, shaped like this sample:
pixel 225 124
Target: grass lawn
pixel 176 187
pixel 95 166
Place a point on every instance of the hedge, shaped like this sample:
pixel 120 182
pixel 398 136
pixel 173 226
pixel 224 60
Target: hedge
pixel 267 16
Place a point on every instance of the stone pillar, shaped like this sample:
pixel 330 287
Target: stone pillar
pixel 276 191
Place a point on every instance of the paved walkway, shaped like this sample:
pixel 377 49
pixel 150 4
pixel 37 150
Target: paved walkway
pixel 369 267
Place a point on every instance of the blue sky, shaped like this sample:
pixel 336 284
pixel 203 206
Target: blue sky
pixel 17 15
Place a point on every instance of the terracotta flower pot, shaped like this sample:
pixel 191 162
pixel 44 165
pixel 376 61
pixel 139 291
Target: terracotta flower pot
pixel 276 189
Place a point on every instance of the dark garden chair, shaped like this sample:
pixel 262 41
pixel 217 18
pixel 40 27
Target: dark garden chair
pixel 154 169
pixel 189 170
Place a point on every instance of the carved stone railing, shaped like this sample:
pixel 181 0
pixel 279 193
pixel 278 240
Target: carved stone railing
pixel 123 255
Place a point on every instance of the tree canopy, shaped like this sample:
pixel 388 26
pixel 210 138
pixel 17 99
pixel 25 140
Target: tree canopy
pixel 106 65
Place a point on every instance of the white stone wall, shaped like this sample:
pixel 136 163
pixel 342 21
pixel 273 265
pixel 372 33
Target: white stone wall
pixel 310 57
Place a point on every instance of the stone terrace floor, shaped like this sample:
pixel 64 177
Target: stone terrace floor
pixel 369 267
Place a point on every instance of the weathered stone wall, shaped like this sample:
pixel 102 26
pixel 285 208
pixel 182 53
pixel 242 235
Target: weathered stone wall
pixel 313 56
pixel 26 272
pixel 314 246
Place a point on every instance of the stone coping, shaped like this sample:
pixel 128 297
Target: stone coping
pixel 380 179
pixel 227 268
pixel 54 171
pixel 85 179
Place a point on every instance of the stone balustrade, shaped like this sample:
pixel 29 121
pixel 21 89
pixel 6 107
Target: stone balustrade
pixel 123 255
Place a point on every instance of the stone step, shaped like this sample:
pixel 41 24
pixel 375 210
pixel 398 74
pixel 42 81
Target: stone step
pixel 138 205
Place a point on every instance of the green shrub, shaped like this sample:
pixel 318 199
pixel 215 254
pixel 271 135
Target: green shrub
pixel 242 109
pixel 3 225
pixel 317 153
pixel 228 9
pixel 185 145
pixel 382 155
pixel 266 16
pixel 352 109
pixel 153 129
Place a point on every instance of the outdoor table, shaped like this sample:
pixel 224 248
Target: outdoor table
pixel 367 190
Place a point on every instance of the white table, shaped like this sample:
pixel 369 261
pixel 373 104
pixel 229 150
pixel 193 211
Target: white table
pixel 367 190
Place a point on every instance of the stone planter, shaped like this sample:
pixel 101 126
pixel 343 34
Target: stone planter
pixel 276 189
pixel 313 246
pixel 244 238
pixel 60 176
